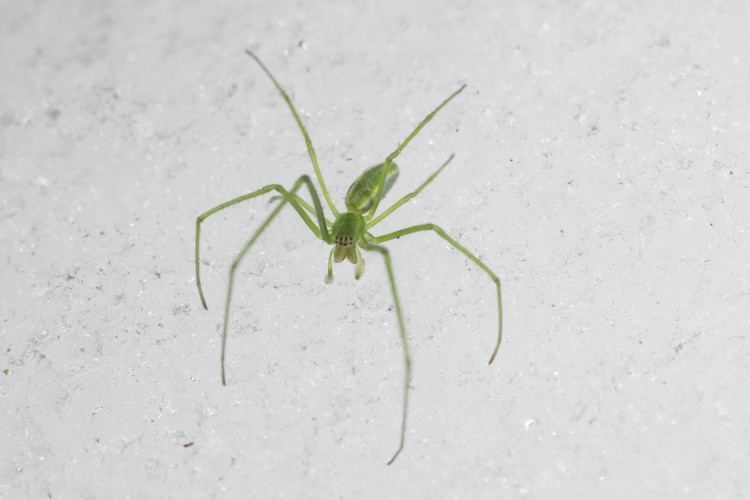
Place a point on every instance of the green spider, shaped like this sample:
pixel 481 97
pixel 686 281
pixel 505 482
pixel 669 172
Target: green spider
pixel 348 233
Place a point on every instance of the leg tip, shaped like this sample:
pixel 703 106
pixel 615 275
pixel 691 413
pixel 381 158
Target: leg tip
pixel 395 456
pixel 494 353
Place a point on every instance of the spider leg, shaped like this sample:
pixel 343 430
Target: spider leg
pixel 409 196
pixel 288 198
pixel 329 276
pixel 321 231
pixel 392 156
pixel 302 202
pixel 308 142
pixel 404 342
pixel 474 258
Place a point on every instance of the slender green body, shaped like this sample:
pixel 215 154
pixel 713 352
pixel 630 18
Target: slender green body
pixel 348 233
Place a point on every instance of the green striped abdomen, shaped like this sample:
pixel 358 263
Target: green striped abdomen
pixel 361 194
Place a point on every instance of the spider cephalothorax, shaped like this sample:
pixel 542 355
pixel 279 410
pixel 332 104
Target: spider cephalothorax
pixel 347 231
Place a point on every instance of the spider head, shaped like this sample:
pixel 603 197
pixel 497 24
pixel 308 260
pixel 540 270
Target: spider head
pixel 345 248
pixel 347 230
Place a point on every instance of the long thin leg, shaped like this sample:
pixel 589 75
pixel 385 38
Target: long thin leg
pixel 302 202
pixel 308 142
pixel 392 156
pixel 441 233
pixel 321 232
pixel 288 198
pixel 404 343
pixel 409 196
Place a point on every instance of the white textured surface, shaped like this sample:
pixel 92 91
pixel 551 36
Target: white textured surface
pixel 601 169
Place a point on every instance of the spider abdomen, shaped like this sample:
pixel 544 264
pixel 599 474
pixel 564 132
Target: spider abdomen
pixel 364 189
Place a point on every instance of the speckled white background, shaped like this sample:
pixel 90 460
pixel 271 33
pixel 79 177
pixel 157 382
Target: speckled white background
pixel 601 170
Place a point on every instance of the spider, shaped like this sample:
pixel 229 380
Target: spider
pixel 349 233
